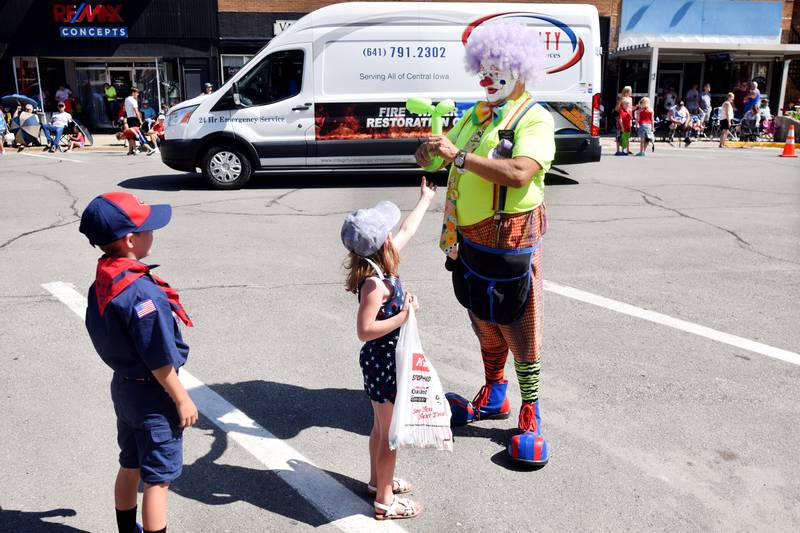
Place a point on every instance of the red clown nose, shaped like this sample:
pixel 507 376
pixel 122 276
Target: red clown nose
pixel 486 82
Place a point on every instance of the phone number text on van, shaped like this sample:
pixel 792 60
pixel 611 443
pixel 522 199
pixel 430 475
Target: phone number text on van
pixel 411 52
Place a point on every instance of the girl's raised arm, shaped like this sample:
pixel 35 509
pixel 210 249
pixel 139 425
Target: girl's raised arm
pixel 412 221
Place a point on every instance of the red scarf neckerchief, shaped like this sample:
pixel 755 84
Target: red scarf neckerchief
pixel 114 274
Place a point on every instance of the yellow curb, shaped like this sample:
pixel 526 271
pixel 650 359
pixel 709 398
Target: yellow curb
pixel 740 144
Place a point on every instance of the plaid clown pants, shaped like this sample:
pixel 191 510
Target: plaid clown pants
pixel 524 336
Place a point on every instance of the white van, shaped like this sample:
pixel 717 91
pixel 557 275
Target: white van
pixel 330 91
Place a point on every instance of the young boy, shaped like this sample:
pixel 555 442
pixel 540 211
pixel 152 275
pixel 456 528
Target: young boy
pixel 132 321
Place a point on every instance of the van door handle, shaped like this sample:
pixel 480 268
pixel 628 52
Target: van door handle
pixel 301 107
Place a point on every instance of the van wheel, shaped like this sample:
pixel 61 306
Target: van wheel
pixel 226 168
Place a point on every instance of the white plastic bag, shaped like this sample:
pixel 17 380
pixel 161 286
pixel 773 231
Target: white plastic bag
pixel 421 414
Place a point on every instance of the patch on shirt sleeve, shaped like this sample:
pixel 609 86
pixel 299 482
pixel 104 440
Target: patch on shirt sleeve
pixel 144 308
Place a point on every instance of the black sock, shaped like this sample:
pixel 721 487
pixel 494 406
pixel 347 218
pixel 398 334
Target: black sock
pixel 162 530
pixel 126 520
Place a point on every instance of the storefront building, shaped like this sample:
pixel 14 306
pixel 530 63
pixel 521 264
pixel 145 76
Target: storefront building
pixel 165 49
pixel 669 47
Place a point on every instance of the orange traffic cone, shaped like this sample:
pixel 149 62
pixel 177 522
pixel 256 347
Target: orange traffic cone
pixel 788 146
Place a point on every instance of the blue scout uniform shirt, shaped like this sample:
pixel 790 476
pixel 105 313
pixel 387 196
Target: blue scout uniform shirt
pixel 137 332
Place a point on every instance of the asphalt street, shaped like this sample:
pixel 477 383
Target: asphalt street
pixel 651 428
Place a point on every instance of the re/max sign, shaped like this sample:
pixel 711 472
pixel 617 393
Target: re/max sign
pixel 74 14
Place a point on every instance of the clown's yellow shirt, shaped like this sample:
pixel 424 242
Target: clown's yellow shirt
pixel 534 137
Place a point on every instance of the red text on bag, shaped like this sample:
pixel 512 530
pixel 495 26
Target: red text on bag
pixel 419 363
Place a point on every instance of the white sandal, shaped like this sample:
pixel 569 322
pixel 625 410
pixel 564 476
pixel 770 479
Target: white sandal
pixel 391 512
pixel 403 487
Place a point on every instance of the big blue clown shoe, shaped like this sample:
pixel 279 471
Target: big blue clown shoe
pixel 529 446
pixel 489 403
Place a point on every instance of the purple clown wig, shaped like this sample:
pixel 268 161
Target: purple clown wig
pixel 513 47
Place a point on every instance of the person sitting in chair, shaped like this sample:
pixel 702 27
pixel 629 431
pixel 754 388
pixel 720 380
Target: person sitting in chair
pixel 54 130
pixel 678 117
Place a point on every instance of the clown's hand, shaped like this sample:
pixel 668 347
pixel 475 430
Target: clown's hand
pixel 443 147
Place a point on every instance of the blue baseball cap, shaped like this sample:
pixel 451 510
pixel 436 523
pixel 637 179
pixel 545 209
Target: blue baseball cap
pixel 111 216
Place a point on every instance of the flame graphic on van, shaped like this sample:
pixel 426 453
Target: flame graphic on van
pixel 575 42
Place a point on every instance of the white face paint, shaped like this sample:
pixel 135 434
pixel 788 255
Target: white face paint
pixel 499 84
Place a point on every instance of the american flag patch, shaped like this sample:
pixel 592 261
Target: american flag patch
pixel 145 308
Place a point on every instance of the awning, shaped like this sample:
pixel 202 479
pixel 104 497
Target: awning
pixel 737 51
pixel 700 22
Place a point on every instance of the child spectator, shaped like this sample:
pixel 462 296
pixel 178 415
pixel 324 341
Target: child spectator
pixel 374 255
pixel 132 318
pixel 644 117
pixel 158 129
pixel 624 125
pixel 624 102
pixel 131 134
pixel 76 139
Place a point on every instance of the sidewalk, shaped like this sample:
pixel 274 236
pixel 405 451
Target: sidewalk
pixel 105 143
pixel 608 144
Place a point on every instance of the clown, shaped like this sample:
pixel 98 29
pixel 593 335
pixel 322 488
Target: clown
pixel 494 215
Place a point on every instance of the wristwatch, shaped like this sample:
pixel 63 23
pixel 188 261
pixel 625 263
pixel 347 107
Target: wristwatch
pixel 460 159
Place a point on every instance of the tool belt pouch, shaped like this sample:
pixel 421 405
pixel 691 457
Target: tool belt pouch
pixel 493 283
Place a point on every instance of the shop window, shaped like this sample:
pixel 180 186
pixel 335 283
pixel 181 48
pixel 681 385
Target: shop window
pixel 636 74
pixel 231 64
pixel 277 77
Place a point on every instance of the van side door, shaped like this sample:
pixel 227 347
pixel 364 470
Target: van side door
pixel 275 107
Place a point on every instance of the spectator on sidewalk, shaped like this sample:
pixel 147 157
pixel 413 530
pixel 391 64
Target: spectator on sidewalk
pixel 766 113
pixel 726 115
pixel 110 95
pixel 753 98
pixel 63 94
pixel 132 113
pixel 132 135
pixel 705 103
pixel 158 129
pixel 693 99
pixel 670 97
pixel 644 118
pixel 678 117
pixel 76 140
pixel 54 130
pixel 739 93
pixel 624 119
pixel 148 113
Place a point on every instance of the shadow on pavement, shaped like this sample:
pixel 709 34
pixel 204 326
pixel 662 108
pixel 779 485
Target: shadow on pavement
pixel 212 483
pixel 286 410
pixel 12 520
pixel 499 436
pixel 333 180
pixel 194 182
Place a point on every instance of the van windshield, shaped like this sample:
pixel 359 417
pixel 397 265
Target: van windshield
pixel 277 77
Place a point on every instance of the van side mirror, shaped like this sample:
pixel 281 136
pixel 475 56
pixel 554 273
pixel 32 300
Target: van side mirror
pixel 236 99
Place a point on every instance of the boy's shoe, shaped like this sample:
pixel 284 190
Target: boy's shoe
pixel 619 153
pixel 640 154
pixel 490 403
pixel 46 148
pixel 529 446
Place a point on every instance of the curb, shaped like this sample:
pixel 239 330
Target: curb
pixel 740 144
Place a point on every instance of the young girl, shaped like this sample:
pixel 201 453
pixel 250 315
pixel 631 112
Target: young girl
pixel 383 307
pixel 644 117
pixel 624 110
pixel 76 140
